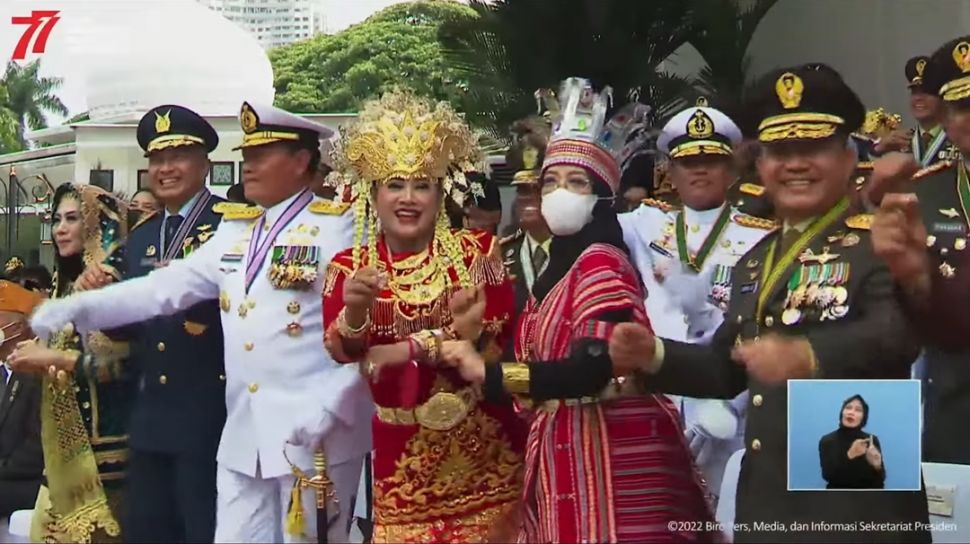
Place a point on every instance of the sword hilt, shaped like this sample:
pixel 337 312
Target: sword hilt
pixel 320 482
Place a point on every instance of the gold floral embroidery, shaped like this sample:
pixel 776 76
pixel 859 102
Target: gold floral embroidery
pixel 472 528
pixel 442 474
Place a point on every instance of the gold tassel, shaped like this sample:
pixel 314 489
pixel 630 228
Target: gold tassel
pixel 295 524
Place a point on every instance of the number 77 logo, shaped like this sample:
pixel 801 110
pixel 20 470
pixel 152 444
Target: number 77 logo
pixel 43 20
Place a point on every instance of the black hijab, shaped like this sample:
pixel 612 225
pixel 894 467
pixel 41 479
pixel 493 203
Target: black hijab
pixel 565 250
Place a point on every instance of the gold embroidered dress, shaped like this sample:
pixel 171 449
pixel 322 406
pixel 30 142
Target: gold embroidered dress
pixel 446 462
pixel 84 415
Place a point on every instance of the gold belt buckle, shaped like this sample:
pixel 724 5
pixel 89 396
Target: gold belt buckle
pixel 443 411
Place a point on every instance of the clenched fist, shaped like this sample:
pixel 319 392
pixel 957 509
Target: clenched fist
pixel 360 290
pixel 899 238
pixel 632 348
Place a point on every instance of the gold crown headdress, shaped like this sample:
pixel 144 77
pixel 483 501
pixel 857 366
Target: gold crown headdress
pixel 403 136
pixel 879 123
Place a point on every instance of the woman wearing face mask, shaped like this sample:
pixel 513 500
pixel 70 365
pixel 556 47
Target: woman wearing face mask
pixel 86 385
pixel 604 463
pixel 850 457
pixel 446 463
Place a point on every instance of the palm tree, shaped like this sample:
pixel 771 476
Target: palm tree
pixel 8 127
pixel 30 96
pixel 723 32
pixel 514 47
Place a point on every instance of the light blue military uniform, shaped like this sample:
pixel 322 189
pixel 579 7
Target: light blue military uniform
pixel 686 302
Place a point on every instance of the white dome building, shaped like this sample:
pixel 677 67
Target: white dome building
pixel 142 53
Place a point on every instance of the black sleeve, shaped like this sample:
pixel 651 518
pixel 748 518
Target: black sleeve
pixel 26 461
pixel 877 477
pixel 836 465
pixel 585 373
pixel 700 371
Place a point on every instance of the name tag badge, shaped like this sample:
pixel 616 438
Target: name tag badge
pixel 232 257
pixel 147 262
pixel 656 247
pixel 950 227
pixel 748 288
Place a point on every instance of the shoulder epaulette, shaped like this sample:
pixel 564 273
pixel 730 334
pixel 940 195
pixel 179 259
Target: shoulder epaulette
pixel 512 237
pixel 235 211
pixel 862 221
pixel 144 219
pixel 746 220
pixel 932 169
pixel 752 189
pixel 328 207
pixel 659 204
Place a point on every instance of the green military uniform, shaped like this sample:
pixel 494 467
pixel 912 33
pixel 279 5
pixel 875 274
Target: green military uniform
pixel 820 281
pixel 944 200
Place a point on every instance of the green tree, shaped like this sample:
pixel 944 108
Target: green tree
pixel 723 32
pixel 396 46
pixel 30 96
pixel 514 47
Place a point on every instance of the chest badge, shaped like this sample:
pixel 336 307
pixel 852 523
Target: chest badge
pixel 950 212
pixel 151 251
pixel 825 256
pixel 293 307
pixel 224 302
pixel 850 240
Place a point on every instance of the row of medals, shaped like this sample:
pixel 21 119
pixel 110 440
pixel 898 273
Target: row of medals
pixel 821 286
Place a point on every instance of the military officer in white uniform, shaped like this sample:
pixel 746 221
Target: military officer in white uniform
pixel 685 255
pixel 285 397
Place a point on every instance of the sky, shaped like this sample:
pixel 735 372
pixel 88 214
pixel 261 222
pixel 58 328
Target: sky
pixel 62 60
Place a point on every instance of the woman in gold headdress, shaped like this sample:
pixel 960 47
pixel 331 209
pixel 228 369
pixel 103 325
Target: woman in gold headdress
pixel 446 463
pixel 86 387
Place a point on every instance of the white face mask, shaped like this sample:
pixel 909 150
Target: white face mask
pixel 566 212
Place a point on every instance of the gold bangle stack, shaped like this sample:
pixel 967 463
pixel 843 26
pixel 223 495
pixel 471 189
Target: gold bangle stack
pixel 430 342
pixel 347 331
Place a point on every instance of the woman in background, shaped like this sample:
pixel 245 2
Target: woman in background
pixel 850 457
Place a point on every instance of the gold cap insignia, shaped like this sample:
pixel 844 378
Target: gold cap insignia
pixel 961 55
pixel 789 89
pixel 248 119
pixel 530 156
pixel 700 125
pixel 920 67
pixel 701 102
pixel 163 123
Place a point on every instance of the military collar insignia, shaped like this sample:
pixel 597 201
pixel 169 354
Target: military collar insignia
pixel 789 89
pixel 961 56
pixel 163 123
pixel 700 125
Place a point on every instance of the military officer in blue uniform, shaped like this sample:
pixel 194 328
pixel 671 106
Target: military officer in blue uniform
pixel 180 408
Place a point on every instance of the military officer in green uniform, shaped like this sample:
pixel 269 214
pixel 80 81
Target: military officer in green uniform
pixel 923 236
pixel 809 301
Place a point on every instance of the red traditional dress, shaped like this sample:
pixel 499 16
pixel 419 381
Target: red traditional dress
pixel 597 469
pixel 447 465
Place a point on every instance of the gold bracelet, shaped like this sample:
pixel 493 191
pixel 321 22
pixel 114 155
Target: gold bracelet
pixel 430 344
pixel 347 331
pixel 515 378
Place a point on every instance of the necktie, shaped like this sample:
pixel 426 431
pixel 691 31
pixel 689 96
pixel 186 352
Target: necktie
pixel 539 258
pixel 172 224
pixel 925 140
pixel 788 239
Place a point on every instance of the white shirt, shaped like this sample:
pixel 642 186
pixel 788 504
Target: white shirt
pixel 275 382
pixel 9 373
pixel 682 304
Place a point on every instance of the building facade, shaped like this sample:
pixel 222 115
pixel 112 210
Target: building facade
pixel 273 22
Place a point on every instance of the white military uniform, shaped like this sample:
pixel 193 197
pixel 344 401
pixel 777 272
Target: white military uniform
pixel 685 304
pixel 280 381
